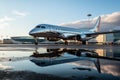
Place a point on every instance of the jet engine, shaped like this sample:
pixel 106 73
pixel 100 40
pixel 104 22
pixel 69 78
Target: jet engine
pixel 78 37
pixel 83 37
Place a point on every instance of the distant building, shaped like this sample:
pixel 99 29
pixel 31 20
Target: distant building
pixel 106 38
pixel 109 38
pixel 116 36
pixel 98 40
pixel 25 39
pixel 1 41
pixel 7 41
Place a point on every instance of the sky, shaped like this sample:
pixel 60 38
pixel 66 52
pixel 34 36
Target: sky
pixel 18 17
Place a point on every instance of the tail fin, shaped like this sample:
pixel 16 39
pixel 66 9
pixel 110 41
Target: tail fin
pixel 97 25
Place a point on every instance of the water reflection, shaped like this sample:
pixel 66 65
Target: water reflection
pixel 103 62
pixel 74 63
pixel 56 56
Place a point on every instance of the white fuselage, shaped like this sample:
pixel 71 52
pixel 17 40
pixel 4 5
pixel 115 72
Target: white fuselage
pixel 44 30
pixel 53 31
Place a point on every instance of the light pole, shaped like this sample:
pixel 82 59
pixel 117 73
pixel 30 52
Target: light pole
pixel 89 15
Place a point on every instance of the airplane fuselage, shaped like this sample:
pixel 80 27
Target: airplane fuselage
pixel 66 33
pixel 53 31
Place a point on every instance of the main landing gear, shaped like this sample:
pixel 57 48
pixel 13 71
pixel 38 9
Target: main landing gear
pixel 66 42
pixel 84 42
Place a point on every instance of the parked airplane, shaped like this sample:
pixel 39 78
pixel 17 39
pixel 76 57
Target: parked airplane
pixel 55 33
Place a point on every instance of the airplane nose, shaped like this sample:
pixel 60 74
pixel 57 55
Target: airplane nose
pixel 32 31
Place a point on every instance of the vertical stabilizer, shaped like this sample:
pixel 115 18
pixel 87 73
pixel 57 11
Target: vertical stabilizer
pixel 97 25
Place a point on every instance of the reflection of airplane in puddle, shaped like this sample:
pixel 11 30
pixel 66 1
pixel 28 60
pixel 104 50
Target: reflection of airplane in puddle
pixel 59 56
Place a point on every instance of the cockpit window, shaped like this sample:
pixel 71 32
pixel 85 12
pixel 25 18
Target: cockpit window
pixel 40 26
pixel 37 26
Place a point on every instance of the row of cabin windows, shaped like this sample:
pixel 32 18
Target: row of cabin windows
pixel 45 27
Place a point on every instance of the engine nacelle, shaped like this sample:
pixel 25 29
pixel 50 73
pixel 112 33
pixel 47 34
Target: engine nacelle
pixel 86 37
pixel 83 36
pixel 78 37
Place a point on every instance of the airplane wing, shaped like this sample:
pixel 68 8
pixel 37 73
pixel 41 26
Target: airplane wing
pixel 98 33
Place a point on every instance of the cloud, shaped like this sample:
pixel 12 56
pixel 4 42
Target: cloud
pixel 18 13
pixel 110 67
pixel 3 25
pixel 6 18
pixel 108 22
pixel 5 67
pixel 4 21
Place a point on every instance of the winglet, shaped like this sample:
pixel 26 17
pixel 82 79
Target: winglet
pixel 97 25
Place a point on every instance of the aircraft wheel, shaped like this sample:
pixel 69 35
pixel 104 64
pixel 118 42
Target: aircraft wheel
pixel 84 42
pixel 36 43
pixel 66 42
pixel 36 40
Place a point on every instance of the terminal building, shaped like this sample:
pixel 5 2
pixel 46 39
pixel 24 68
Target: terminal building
pixel 25 39
pixel 116 37
pixel 106 39
pixel 31 40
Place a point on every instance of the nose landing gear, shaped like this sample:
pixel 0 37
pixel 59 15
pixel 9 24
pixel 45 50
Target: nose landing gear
pixel 36 40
